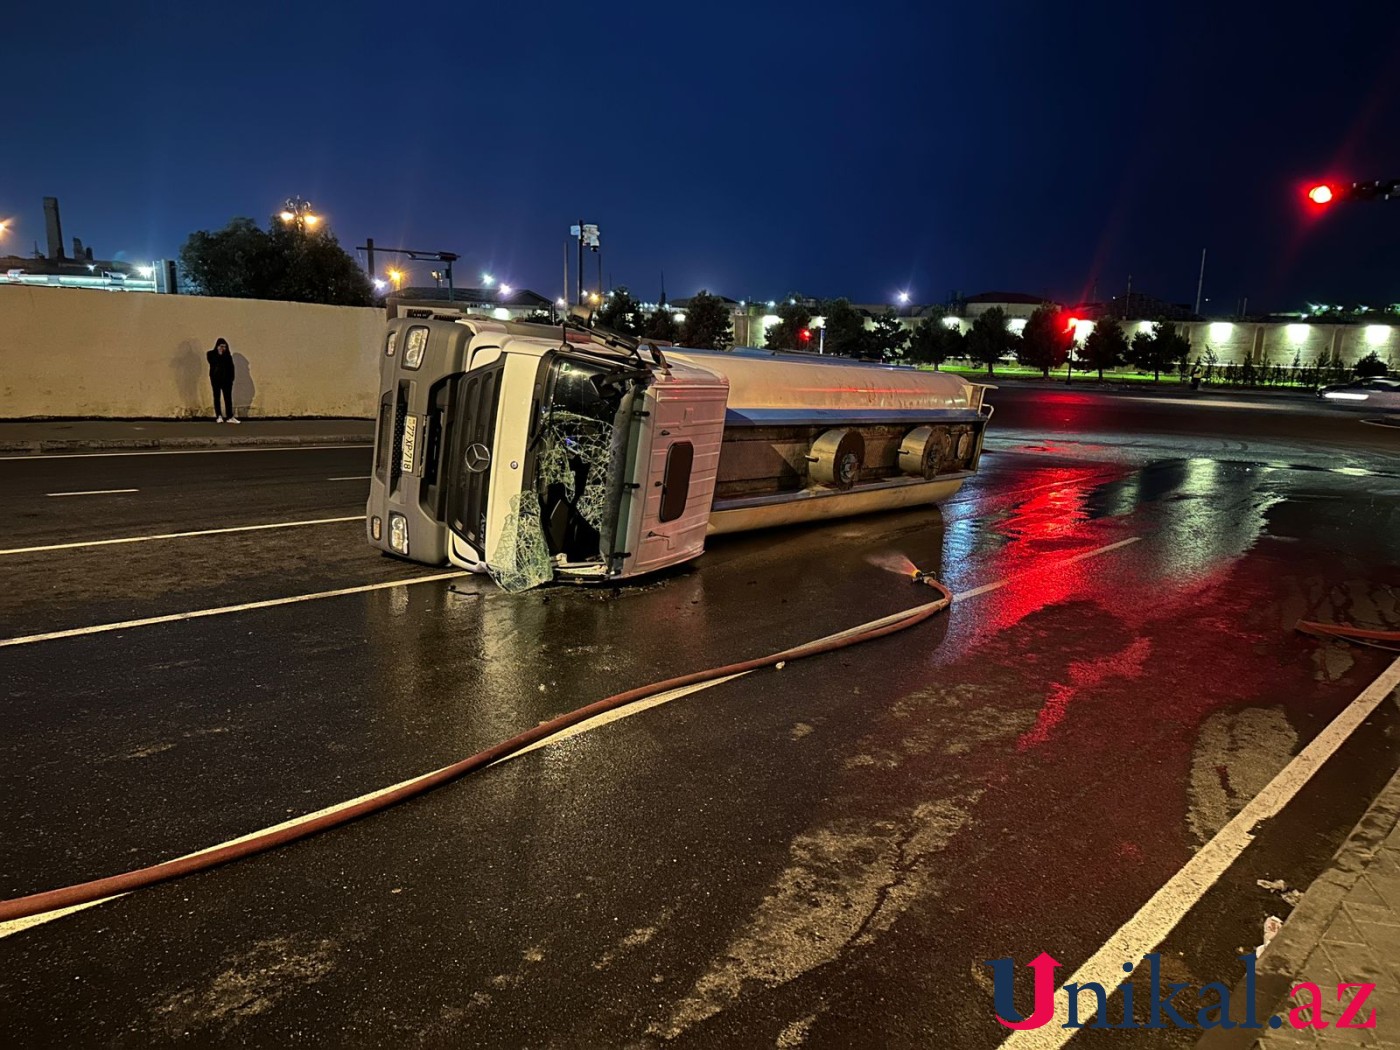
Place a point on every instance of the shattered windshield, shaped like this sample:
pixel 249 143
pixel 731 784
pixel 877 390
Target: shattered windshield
pixel 568 509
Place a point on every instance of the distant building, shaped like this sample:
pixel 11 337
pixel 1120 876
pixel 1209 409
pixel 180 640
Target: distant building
pixel 1135 305
pixel 520 303
pixel 57 268
pixel 1012 304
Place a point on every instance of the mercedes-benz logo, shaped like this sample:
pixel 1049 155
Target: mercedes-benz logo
pixel 477 458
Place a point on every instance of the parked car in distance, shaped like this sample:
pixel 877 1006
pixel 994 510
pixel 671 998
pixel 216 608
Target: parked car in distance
pixel 1371 392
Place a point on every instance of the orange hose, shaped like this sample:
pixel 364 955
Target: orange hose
pixel 1342 630
pixel 112 885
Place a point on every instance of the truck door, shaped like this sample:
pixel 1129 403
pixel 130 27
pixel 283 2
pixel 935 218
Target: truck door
pixel 471 453
pixel 687 425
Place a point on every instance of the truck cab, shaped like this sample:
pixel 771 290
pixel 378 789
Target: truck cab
pixel 535 453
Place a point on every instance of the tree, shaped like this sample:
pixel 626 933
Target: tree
pixel 887 340
pixel 990 340
pixel 538 317
pixel 1158 351
pixel 707 324
pixel 622 313
pixel 286 262
pixel 933 342
pixel 233 262
pixel 845 329
pixel 794 318
pixel 1370 365
pixel 1105 346
pixel 314 268
pixel 1046 340
pixel 661 326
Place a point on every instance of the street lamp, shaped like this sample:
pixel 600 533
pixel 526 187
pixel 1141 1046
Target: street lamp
pixel 396 276
pixel 297 212
pixel 506 289
pixel 487 280
pixel 903 298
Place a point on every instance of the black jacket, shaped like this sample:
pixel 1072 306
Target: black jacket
pixel 220 367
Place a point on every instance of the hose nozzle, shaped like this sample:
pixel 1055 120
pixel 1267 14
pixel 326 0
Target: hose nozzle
pixel 919 576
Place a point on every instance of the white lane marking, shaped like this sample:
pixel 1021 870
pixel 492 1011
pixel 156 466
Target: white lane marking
pixel 178 535
pixel 998 584
pixel 49 456
pixel 588 725
pixel 1212 403
pixel 639 706
pixel 16 925
pixel 972 497
pixel 103 628
pixel 981 493
pixel 92 492
pixel 1159 916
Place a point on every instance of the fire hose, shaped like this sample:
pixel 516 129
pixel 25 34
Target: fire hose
pixel 263 841
pixel 1360 635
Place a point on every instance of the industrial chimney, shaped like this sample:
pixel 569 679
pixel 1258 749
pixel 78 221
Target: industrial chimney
pixel 54 228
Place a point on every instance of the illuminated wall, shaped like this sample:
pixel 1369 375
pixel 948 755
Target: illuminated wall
pixel 1234 342
pixel 72 352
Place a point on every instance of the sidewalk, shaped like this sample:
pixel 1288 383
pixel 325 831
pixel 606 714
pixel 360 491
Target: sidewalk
pixel 81 435
pixel 1346 929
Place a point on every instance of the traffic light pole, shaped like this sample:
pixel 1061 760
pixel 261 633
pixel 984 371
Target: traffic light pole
pixel 417 256
pixel 1325 193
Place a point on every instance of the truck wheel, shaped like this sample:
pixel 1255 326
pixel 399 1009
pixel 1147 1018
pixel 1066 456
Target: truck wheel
pixel 918 453
pixel 836 458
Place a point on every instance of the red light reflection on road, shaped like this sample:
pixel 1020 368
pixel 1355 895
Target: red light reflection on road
pixel 1084 675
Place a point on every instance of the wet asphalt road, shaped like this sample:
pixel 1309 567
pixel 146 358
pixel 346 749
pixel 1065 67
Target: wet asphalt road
pixel 821 856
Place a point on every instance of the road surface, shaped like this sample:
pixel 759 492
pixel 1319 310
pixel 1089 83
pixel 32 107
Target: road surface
pixel 820 856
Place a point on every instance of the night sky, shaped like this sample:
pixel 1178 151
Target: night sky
pixel 754 149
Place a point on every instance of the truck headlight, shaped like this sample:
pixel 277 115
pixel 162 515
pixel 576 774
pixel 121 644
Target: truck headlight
pixel 398 533
pixel 414 347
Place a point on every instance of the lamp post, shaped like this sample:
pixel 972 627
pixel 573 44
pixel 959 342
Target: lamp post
pixel 297 212
pixel 587 234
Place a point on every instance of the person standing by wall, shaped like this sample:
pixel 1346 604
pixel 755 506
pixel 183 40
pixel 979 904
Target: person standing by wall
pixel 221 379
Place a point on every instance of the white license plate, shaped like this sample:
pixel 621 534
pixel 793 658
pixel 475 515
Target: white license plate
pixel 410 444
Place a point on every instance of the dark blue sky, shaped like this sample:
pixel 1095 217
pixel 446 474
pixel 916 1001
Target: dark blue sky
pixel 752 148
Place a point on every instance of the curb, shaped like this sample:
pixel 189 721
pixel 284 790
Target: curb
pixel 1303 929
pixel 50 445
pixel 1145 389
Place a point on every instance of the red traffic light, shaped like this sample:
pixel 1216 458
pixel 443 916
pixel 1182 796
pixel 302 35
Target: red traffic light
pixel 1321 194
pixel 806 334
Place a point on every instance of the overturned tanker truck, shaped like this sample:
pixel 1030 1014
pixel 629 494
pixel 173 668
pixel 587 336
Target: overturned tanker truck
pixel 540 453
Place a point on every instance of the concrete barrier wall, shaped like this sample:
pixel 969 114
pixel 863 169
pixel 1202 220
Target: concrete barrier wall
pixel 76 352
